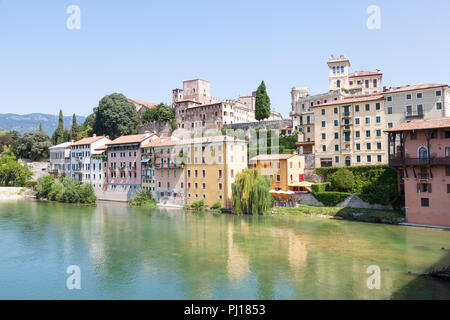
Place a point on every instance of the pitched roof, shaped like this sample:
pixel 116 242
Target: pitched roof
pixel 263 157
pixel 415 87
pixel 133 138
pixel 363 73
pixel 62 145
pixel 353 99
pixel 88 140
pixel 169 141
pixel 421 124
pixel 143 103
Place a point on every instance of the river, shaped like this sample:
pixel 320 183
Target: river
pixel 137 253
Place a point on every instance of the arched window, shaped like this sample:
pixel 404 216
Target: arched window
pixel 338 83
pixel 348 161
pixel 423 153
pixel 334 69
pixel 342 69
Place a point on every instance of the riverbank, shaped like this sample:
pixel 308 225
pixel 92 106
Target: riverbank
pixel 12 193
pixel 355 214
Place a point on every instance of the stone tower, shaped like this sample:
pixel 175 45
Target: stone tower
pixel 339 69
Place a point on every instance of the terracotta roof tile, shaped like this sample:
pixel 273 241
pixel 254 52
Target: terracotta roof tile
pixel 143 103
pixel 415 87
pixel 421 124
pixel 134 138
pixel 88 140
pixel 363 73
pixel 353 99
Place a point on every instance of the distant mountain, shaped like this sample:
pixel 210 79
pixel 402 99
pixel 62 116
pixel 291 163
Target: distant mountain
pixel 30 122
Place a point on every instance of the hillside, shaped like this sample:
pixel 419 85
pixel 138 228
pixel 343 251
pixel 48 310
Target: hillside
pixel 30 122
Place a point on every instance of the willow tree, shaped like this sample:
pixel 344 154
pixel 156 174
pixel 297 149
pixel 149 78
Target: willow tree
pixel 251 193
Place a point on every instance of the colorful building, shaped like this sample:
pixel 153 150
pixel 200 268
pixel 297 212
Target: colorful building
pixel 420 152
pixel 124 175
pixel 60 159
pixel 285 170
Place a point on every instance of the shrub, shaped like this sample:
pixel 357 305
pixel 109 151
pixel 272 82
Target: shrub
pixel 198 205
pixel 43 187
pixel 331 199
pixel 216 206
pixel 342 180
pixel 56 191
pixel 142 197
pixel 321 187
pixel 86 193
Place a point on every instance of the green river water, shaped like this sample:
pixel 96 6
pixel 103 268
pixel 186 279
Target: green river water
pixel 136 253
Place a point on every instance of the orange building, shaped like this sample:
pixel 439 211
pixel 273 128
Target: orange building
pixel 286 170
pixel 420 151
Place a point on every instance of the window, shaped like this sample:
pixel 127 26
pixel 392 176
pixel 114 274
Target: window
pixel 408 96
pixel 204 185
pixel 368 145
pixel 379 145
pixel 447 171
pixel 438 93
pixel 390 125
pixel 367 107
pixel 378 106
pixel 323 124
pixel 425 202
pixel 375 83
pixel 366 82
pixel 336 123
pixel 358 158
pixel 336 147
pixel 389 110
pixel 419 95
pixel 336 135
pixel 369 158
pixel 278 178
pixel 335 110
pixel 357 108
pixel 379 158
pixel 378 133
pixel 323 112
pixel 368 133
pixel 324 148
pixel 439 105
pixel 336 159
pixel 232 173
pixel 356 120
pixel 367 120
pixel 358 134
pixel 389 99
pixel 338 83
pixel 324 136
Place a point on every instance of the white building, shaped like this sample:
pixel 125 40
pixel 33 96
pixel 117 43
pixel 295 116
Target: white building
pixel 60 159
pixel 80 158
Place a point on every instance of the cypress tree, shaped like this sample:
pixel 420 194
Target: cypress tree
pixel 262 103
pixel 58 135
pixel 74 130
pixel 40 127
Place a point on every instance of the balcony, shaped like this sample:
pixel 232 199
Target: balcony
pixel 346 114
pixel 399 162
pixel 414 115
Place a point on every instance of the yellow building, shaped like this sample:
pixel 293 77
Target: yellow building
pixel 286 170
pixel 212 164
pixel 350 132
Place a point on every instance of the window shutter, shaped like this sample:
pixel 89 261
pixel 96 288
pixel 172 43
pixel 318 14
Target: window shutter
pixel 429 187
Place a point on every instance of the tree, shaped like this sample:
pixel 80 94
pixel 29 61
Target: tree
pixel 115 116
pixel 161 112
pixel 58 134
pixel 343 180
pixel 33 146
pixel 251 193
pixel 262 103
pixel 40 127
pixel 13 173
pixel 74 130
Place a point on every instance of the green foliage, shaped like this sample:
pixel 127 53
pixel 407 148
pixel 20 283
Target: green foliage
pixel 115 116
pixel 74 130
pixel 331 199
pixel 13 173
pixel 321 187
pixel 216 206
pixel 251 193
pixel 343 180
pixel 161 112
pixel 141 198
pixel 67 190
pixel 59 135
pixel 43 187
pixel 33 146
pixel 262 103
pixel 372 183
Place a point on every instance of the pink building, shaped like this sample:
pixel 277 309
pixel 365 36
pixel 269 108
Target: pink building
pixel 420 151
pixel 124 163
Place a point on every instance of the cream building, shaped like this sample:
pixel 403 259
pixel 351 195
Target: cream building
pixel 350 132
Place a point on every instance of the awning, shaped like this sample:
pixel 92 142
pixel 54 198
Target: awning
pixel 301 184
pixel 145 160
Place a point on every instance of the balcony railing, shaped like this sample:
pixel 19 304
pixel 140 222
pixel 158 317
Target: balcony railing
pixel 399 162
pixel 411 115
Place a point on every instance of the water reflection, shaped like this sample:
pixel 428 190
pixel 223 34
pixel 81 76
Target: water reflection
pixel 153 254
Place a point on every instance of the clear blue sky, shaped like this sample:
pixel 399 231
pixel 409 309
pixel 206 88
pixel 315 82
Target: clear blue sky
pixel 144 49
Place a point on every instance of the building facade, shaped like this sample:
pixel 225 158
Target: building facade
pixel 285 170
pixel 349 132
pixel 60 159
pixel 80 157
pixel 420 152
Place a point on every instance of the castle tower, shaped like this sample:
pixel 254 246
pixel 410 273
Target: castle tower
pixel 339 69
